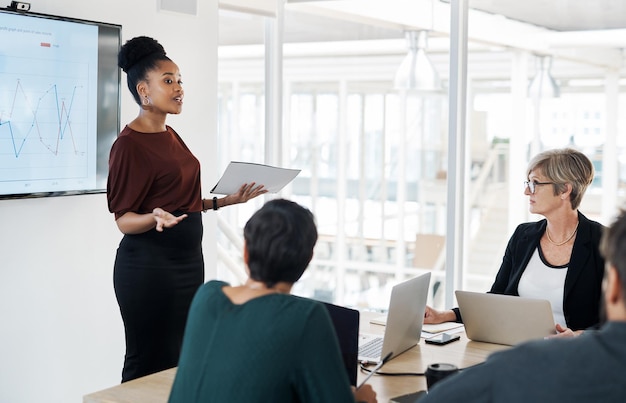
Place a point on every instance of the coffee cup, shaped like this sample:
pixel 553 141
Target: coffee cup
pixel 436 372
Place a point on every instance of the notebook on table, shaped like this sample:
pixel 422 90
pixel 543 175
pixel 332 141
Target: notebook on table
pixel 404 322
pixel 504 319
pixel 428 329
pixel 346 324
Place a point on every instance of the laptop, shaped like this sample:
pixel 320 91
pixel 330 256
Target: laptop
pixel 504 319
pixel 404 321
pixel 346 324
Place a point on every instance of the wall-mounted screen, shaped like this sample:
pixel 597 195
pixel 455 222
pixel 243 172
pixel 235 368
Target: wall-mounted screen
pixel 59 104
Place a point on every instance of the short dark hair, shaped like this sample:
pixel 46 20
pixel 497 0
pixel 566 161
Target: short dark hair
pixel 613 246
pixel 136 58
pixel 280 238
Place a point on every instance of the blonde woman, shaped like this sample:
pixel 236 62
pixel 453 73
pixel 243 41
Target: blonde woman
pixel 558 257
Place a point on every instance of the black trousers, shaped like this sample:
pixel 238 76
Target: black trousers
pixel 155 277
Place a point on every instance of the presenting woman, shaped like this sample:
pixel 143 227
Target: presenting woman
pixel 154 191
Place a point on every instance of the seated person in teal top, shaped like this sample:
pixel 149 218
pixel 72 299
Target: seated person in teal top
pixel 256 342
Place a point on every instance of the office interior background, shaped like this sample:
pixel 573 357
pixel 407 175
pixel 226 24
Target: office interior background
pixel 407 168
pixel 364 91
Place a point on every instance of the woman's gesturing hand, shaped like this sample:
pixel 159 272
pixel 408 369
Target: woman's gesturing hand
pixel 165 219
pixel 245 193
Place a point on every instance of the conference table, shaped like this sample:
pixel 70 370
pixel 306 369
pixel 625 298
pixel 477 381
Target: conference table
pixel 464 353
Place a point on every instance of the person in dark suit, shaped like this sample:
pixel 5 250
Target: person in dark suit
pixel 556 258
pixel 584 369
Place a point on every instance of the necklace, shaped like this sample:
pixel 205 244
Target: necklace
pixel 258 286
pixel 565 241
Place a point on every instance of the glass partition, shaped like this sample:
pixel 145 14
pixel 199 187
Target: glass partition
pixel 374 158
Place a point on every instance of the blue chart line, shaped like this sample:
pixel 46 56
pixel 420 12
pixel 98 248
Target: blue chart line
pixel 41 127
pixel 44 128
pixel 48 106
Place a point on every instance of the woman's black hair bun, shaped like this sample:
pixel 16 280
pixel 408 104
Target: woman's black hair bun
pixel 136 49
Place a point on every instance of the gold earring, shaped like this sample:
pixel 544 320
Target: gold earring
pixel 145 101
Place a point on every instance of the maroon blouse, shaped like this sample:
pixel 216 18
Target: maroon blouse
pixel 148 170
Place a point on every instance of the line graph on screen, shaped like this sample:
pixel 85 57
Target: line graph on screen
pixel 49 131
pixel 59 104
pixel 44 124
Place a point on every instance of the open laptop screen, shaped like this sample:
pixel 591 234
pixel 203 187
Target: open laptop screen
pixel 346 323
pixel 504 319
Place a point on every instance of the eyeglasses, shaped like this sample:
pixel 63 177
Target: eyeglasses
pixel 533 184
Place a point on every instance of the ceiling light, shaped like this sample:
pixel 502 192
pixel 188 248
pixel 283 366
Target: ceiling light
pixel 543 84
pixel 416 72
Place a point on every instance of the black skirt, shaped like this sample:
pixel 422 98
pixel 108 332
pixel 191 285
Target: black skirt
pixel 155 277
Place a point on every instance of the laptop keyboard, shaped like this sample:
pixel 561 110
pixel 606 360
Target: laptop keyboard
pixel 372 348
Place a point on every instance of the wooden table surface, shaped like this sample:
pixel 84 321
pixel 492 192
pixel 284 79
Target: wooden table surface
pixel 464 353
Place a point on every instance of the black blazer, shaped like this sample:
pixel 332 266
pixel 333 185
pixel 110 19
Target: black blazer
pixel 583 281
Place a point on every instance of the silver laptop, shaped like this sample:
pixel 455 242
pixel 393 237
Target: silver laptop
pixel 404 321
pixel 504 319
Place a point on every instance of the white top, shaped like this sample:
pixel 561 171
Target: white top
pixel 544 281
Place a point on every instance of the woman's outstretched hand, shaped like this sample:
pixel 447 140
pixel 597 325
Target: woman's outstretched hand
pixel 564 332
pixel 364 394
pixel 165 219
pixel 433 316
pixel 245 193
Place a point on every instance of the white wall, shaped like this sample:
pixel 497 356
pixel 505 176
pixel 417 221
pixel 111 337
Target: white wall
pixel 61 335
